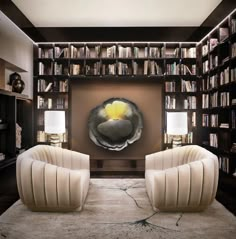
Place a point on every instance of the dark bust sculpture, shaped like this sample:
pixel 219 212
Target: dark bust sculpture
pixel 17 83
pixel 115 124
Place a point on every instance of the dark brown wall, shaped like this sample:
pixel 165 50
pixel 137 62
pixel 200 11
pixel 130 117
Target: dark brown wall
pixel 85 95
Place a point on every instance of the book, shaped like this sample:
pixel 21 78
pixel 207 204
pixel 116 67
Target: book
pixel 49 87
pixel 223 33
pixel 213 43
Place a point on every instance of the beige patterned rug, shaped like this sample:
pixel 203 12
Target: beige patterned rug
pixel 117 209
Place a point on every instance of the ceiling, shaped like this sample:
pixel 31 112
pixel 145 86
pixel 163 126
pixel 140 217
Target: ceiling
pixel 116 13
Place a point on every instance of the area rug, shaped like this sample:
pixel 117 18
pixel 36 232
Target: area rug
pixel 117 209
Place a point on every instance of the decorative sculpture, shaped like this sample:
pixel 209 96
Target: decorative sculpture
pixel 17 83
pixel 115 124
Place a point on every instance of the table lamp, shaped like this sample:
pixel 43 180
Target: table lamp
pixel 177 125
pixel 54 124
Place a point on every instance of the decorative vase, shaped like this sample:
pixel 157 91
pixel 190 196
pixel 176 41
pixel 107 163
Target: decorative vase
pixel 18 85
pixel 12 77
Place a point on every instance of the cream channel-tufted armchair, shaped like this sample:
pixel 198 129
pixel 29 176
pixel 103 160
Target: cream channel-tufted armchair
pixel 52 179
pixel 181 179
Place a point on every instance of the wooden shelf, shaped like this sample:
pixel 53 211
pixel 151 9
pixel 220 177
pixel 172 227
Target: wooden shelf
pixel 17 95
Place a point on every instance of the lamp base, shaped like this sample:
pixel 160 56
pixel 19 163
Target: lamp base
pixel 55 140
pixel 177 141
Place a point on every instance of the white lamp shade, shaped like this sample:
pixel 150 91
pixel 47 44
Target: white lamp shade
pixel 54 122
pixel 177 123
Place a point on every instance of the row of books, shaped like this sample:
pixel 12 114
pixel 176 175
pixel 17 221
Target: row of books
pixel 81 51
pixel 205 101
pixel 233 74
pixel 205 66
pixel 223 33
pixel 61 52
pixel 214 100
pixel 188 52
pixel 190 102
pixel 194 119
pixel 213 61
pixel 49 103
pixel 213 83
pixel 213 139
pixel 123 69
pixel 224 76
pixel 224 163
pixel 54 86
pixel 109 69
pixel 178 69
pixel 233 25
pixel 170 86
pixel 45 69
pixel 233 50
pixel 170 102
pixel 209 46
pixel 224 99
pixel 213 120
pixel 45 52
pixel 124 52
pixel 60 69
pixel 148 67
pixel 93 69
pixel 185 139
pixel 188 86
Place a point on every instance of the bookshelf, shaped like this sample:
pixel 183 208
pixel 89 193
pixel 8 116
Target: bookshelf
pixel 15 112
pixel 51 86
pixel 180 87
pixel 218 94
pixel 173 65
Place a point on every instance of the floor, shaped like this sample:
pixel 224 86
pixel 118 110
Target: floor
pixel 117 208
pixel 9 194
pixel 8 188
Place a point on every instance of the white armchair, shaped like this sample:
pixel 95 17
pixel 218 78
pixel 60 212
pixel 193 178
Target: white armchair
pixel 52 179
pixel 181 179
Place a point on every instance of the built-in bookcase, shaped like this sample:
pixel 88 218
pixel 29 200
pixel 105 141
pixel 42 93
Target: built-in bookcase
pixel 180 87
pixel 201 82
pixel 171 64
pixel 218 93
pixel 51 86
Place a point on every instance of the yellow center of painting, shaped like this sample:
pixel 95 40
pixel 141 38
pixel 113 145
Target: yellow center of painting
pixel 116 110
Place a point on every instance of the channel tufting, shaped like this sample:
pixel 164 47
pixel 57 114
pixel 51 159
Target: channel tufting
pixel 52 179
pixel 187 176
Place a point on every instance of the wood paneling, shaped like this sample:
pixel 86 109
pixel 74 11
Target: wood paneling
pixel 86 95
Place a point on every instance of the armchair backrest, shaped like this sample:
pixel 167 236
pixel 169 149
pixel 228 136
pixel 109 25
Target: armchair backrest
pixel 176 157
pixel 57 156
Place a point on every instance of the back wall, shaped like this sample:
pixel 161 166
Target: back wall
pixel 87 94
